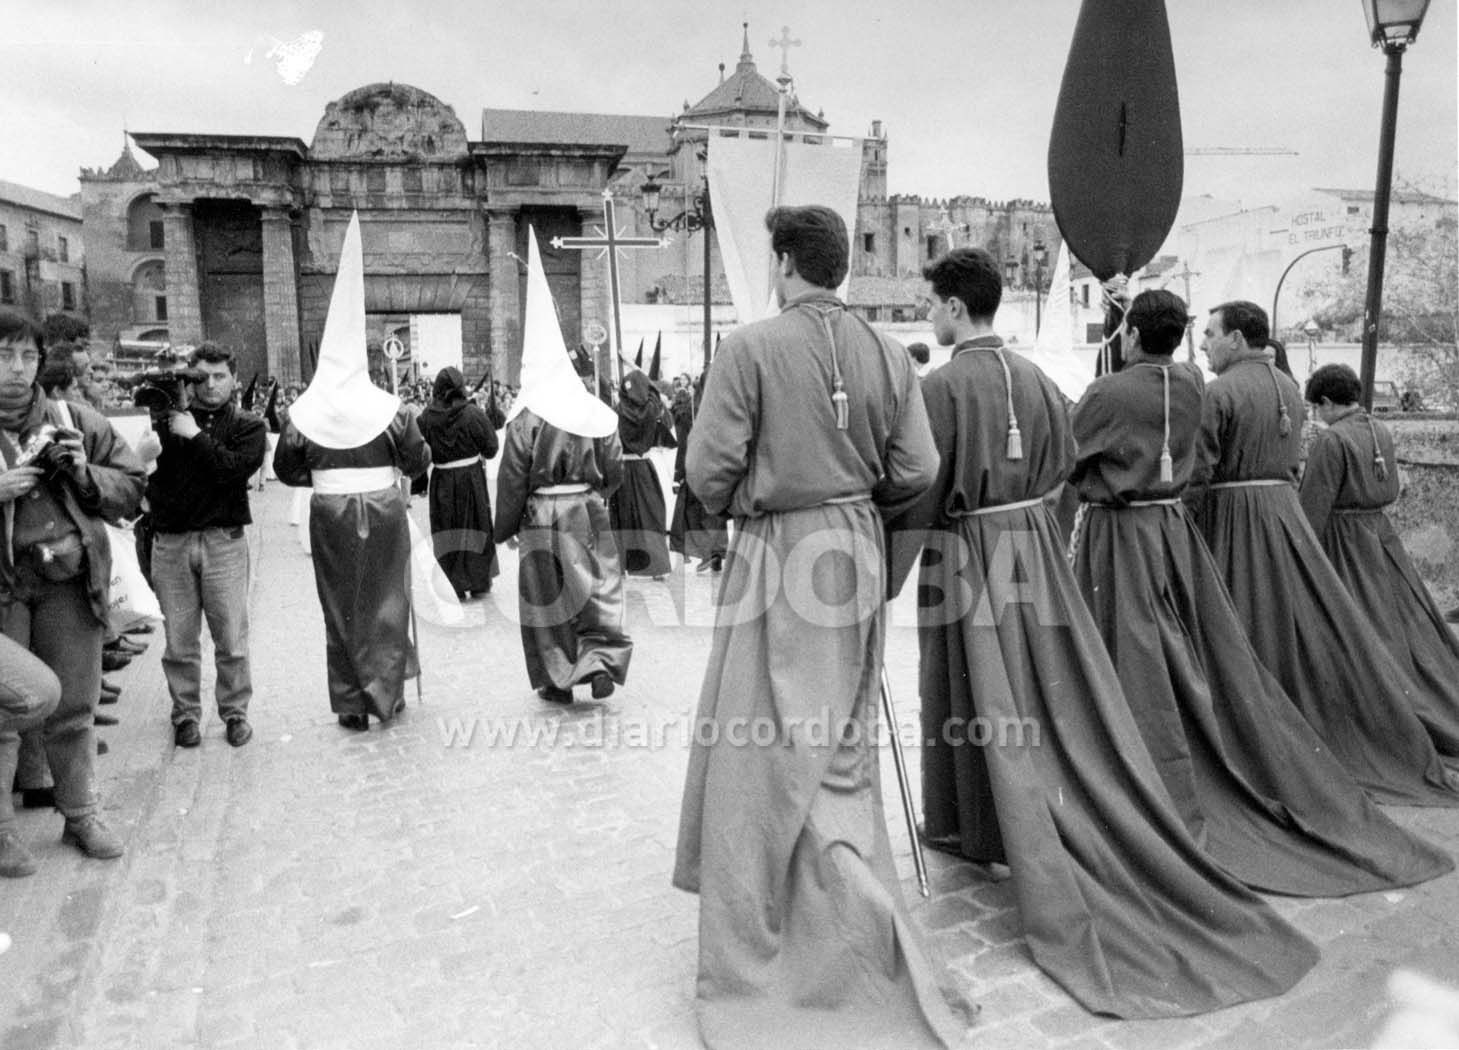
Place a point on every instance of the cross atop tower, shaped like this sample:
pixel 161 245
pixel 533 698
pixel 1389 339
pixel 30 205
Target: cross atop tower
pixel 785 43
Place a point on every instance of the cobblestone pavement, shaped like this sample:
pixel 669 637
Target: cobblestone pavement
pixel 326 889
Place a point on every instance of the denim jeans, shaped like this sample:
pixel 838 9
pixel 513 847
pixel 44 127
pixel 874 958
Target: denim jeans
pixel 55 622
pixel 29 690
pixel 198 574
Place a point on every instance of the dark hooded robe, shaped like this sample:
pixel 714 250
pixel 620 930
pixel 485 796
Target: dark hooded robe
pixel 637 509
pixel 694 532
pixel 1343 495
pixel 803 936
pixel 552 490
pixel 461 439
pixel 1255 785
pixel 360 543
pixel 1298 616
pixel 1118 902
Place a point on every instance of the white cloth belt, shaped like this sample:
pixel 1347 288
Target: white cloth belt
pixel 1137 503
pixel 1254 484
pixel 350 481
pixel 563 490
pixel 458 464
pixel 1000 508
pixel 634 455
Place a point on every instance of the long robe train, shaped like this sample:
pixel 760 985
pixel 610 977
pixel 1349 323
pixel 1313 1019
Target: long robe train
pixel 1250 778
pixel 1119 904
pixel 570 593
pixel 1325 654
pixel 798 824
pixel 361 550
pixel 639 519
pixel 1369 557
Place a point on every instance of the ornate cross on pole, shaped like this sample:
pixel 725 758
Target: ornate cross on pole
pixel 785 43
pixel 611 239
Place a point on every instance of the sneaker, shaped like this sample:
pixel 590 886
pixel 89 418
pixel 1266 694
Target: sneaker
pixel 92 837
pixel 602 685
pixel 187 734
pixel 554 695
pixel 15 860
pixel 239 731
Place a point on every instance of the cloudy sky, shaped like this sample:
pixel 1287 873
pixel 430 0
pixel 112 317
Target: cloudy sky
pixel 966 88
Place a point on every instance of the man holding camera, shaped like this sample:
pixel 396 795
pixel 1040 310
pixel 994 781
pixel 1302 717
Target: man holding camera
pixel 65 472
pixel 198 499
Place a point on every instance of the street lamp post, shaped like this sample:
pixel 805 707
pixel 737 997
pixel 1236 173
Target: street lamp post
pixel 1392 25
pixel 1040 256
pixel 696 216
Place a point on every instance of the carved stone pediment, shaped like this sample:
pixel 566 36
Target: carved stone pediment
pixel 389 122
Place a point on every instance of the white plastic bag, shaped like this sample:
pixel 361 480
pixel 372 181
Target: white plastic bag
pixel 131 598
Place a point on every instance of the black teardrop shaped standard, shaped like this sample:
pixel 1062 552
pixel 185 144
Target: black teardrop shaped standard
pixel 1116 158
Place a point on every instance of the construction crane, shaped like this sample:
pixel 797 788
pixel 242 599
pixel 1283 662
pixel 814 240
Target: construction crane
pixel 1240 151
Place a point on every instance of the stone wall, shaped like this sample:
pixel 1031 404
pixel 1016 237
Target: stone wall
pixel 1427 514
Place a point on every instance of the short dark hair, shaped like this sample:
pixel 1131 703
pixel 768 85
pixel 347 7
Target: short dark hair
pixel 1338 383
pixel 16 327
pixel 815 237
pixel 1240 315
pixel 1160 317
pixel 972 276
pixel 56 376
pixel 214 354
pixel 919 352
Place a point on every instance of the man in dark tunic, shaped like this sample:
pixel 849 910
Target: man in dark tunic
pixel 1298 616
pixel 1252 780
pixel 351 442
pixel 695 532
pixel 811 424
pixel 561 461
pixel 461 438
pixel 1351 475
pixel 637 510
pixel 1153 928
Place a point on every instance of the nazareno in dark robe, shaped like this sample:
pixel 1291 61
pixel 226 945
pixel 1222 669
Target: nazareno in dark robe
pixel 1256 786
pixel 1343 497
pixel 694 532
pixel 360 544
pixel 460 502
pixel 570 588
pixel 804 939
pixel 1118 902
pixel 1298 616
pixel 639 516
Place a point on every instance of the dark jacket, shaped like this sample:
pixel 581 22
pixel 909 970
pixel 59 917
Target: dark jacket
pixel 115 477
pixel 202 482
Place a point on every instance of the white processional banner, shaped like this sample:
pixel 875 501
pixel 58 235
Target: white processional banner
pixel 741 185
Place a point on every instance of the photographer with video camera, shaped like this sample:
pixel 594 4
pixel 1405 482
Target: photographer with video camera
pixel 66 471
pixel 198 500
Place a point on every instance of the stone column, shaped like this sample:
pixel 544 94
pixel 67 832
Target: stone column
pixel 280 295
pixel 504 304
pixel 184 300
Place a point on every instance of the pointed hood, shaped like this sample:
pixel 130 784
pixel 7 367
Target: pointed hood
pixel 342 408
pixel 656 363
pixel 550 385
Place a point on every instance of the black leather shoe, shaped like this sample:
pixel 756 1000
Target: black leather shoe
pixel 114 661
pixel 602 686
pixel 109 698
pixel 101 747
pixel 123 644
pixel 110 687
pixel 554 695
pixel 38 798
pixel 101 718
pixel 187 734
pixel 239 732
pixel 355 722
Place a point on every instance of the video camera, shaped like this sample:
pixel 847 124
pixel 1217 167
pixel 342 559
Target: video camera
pixel 163 391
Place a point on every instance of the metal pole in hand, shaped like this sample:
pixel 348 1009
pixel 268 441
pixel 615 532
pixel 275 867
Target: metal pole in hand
pixel 900 761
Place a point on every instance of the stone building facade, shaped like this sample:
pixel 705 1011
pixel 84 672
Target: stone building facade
pixel 236 238
pixel 42 262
